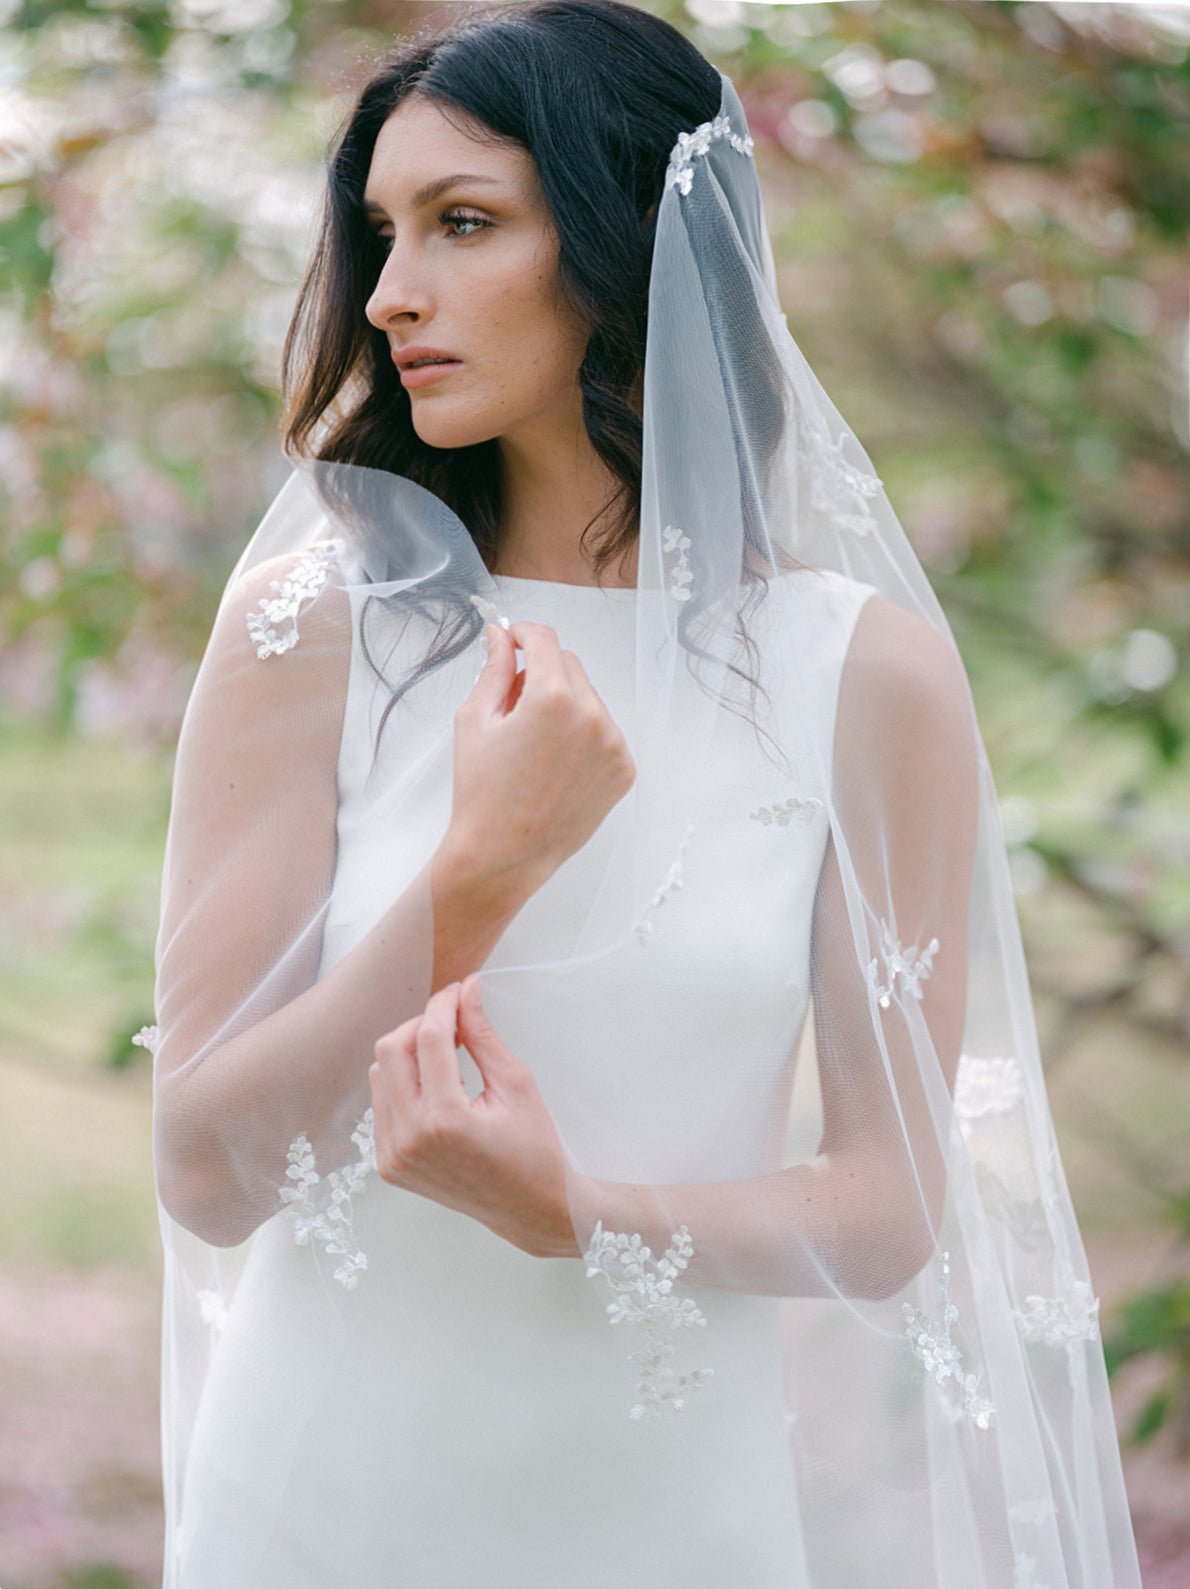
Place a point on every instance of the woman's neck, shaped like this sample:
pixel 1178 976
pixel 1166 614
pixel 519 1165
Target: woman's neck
pixel 551 491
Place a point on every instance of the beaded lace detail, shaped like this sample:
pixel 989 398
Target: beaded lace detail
pixel 941 1358
pixel 645 1296
pixel 680 171
pixel 302 584
pixel 1060 1320
pixel 912 965
pixel 329 1219
pixel 671 881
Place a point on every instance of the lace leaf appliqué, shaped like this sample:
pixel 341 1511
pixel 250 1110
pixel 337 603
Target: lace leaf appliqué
pixel 782 812
pixel 1025 1573
pixel 941 1358
pixel 1034 1514
pixel 646 1296
pixel 911 965
pixel 671 881
pixel 302 584
pixel 986 1085
pixel 839 487
pixel 842 489
pixel 681 575
pixel 680 171
pixel 329 1219
pixel 1060 1320
pixel 213 1310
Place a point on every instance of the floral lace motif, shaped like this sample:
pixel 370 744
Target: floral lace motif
pixel 785 811
pixel 680 172
pixel 839 488
pixel 645 1288
pixel 330 1219
pixel 1060 1320
pixel 213 1310
pixel 148 1037
pixel 672 880
pixel 1035 1513
pixel 681 575
pixel 302 584
pixel 985 1086
pixel 911 965
pixel 1025 1573
pixel 933 1345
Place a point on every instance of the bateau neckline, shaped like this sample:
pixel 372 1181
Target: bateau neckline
pixel 562 584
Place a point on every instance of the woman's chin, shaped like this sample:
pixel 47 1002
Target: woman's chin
pixel 443 432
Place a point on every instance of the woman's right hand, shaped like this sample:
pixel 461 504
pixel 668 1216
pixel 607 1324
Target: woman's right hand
pixel 538 760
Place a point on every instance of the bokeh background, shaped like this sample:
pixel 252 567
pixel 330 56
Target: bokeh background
pixel 979 210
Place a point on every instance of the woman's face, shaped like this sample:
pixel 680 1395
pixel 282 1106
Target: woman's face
pixel 471 271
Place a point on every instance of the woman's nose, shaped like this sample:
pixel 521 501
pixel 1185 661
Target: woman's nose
pixel 395 293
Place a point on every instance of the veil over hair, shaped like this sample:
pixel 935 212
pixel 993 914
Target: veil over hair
pixel 850 1159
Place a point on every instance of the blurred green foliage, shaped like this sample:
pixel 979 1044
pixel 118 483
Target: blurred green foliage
pixel 99 1577
pixel 979 212
pixel 1157 1322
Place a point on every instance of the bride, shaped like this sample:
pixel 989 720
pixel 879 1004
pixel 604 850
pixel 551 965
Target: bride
pixel 600 1133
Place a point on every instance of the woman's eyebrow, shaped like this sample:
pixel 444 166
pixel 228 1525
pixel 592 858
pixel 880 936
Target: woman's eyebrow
pixel 432 190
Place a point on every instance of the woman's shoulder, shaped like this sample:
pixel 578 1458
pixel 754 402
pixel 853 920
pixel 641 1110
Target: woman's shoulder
pixel 886 622
pixel 291 597
pixel 907 672
pixel 280 643
pixel 906 660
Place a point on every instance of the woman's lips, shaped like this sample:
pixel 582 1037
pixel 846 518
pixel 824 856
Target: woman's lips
pixel 420 374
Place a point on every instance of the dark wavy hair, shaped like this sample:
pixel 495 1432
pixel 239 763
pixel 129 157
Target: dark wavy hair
pixel 597 92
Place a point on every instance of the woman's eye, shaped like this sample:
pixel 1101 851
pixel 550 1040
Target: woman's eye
pixel 453 217
pixel 446 218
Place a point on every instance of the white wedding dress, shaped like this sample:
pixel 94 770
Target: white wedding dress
pixel 461 1416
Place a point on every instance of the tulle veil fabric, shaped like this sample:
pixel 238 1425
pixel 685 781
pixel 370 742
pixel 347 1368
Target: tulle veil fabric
pixel 943 1386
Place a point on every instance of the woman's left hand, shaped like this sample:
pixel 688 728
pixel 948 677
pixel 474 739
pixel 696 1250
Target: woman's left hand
pixel 497 1156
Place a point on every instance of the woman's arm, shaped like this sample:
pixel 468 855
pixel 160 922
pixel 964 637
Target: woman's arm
pixel 252 1050
pixel 858 1219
